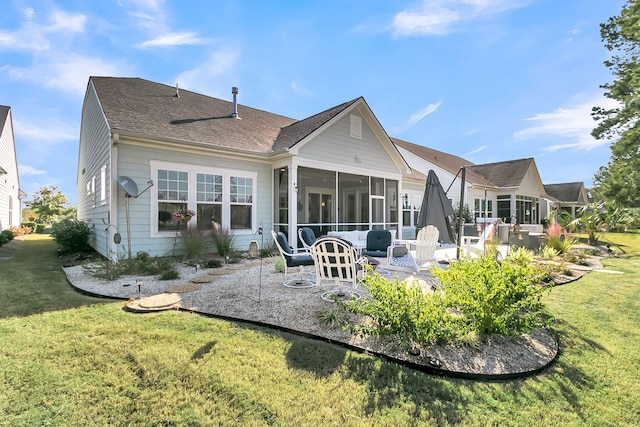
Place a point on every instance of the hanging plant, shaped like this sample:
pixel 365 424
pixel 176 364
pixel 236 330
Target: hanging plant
pixel 184 215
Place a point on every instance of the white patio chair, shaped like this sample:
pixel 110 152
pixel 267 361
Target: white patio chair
pixel 336 261
pixel 474 245
pixel 307 238
pixel 293 259
pixel 424 255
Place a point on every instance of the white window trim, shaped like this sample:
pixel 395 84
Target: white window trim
pixel 103 185
pixel 192 170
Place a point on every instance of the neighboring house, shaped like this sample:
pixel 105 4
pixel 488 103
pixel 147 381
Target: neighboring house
pixel 493 190
pixel 237 167
pixel 568 196
pixel 10 193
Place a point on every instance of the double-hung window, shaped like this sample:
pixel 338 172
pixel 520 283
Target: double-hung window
pixel 220 197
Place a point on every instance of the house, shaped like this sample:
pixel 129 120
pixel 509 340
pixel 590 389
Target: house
pixel 237 167
pixel 568 197
pixel 10 193
pixel 505 190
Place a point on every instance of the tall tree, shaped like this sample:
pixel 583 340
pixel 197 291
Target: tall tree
pixel 619 180
pixel 49 203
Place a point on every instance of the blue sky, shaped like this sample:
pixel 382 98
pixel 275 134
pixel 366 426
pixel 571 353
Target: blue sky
pixel 488 80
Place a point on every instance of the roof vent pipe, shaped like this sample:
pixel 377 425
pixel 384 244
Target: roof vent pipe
pixel 177 91
pixel 234 91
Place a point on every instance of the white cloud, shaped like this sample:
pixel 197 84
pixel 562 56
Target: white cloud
pixel 431 17
pixel 174 39
pixel 54 132
pixel 203 77
pixel 416 117
pixel 63 21
pixel 477 150
pixel 25 170
pixel 69 73
pixel 573 124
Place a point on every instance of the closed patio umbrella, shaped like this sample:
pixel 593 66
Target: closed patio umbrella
pixel 436 208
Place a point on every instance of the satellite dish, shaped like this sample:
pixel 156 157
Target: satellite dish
pixel 128 185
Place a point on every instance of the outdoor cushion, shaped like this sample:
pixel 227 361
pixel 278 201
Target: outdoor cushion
pixel 377 243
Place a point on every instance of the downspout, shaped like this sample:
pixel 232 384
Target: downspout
pixel 113 196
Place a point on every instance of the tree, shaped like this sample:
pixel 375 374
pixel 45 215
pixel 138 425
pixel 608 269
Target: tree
pixel 619 180
pixel 49 203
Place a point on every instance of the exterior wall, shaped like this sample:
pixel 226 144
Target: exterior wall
pixel 336 146
pixel 10 204
pixel 137 162
pixel 93 156
pixel 445 177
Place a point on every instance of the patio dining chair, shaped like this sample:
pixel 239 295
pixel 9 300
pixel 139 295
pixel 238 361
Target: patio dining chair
pixel 378 242
pixel 293 259
pixel 336 261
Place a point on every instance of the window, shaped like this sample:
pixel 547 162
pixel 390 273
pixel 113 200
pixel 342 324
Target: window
pixel 219 197
pixel 241 199
pixel 355 126
pixel 209 197
pixel 103 185
pixel 483 208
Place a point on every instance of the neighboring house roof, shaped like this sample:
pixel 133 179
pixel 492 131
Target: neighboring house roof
pixel 4 113
pixel 446 161
pixel 568 192
pixel 296 132
pixel 145 108
pixel 504 174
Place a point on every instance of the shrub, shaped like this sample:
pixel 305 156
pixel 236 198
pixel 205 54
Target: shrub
pixel 493 298
pixel 7 235
pixel 195 243
pixel 521 256
pixel 141 264
pixel 169 275
pixel 223 240
pixel 549 253
pixel 31 224
pixel 71 235
pixel 400 310
pixel 279 265
pixel 40 228
pixel 559 244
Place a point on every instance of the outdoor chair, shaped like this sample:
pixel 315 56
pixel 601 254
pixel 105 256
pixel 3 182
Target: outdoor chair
pixel 423 257
pixel 307 238
pixel 293 259
pixel 378 242
pixel 336 261
pixel 475 245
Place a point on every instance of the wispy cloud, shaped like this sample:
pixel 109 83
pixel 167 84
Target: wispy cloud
pixel 477 150
pixel 25 170
pixel 54 131
pixel 573 124
pixel 437 17
pixel 174 39
pixel 202 77
pixel 416 117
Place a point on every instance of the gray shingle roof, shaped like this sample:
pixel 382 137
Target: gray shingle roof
pixel 446 161
pixel 504 174
pixel 569 192
pixel 296 132
pixel 152 109
pixel 4 113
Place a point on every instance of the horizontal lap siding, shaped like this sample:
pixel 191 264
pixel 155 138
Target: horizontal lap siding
pixel 133 161
pixel 94 153
pixel 336 146
pixel 10 187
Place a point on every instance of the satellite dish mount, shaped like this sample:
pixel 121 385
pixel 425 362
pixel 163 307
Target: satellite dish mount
pixel 131 191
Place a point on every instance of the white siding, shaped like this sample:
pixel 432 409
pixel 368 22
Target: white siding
pixel 9 182
pixel 335 146
pixel 93 155
pixel 445 177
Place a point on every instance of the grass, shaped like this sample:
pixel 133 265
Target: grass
pixel 83 361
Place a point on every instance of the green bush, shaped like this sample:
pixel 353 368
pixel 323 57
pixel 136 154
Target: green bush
pixel 4 239
pixel 31 224
pixel 559 244
pixel 40 228
pixel 494 298
pixel 194 243
pixel 223 240
pixel 71 235
pixel 7 235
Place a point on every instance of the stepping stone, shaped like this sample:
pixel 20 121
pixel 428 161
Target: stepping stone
pixel 205 278
pixel 155 303
pixel 217 272
pixel 184 288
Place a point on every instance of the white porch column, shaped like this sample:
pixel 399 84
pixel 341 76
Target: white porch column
pixel 293 205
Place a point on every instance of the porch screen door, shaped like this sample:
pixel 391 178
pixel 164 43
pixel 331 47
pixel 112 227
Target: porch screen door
pixel 377 212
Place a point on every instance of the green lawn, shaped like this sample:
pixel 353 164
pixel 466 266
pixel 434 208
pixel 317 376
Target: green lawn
pixel 66 359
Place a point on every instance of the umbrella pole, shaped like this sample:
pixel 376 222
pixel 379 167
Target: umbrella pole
pixel 460 213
